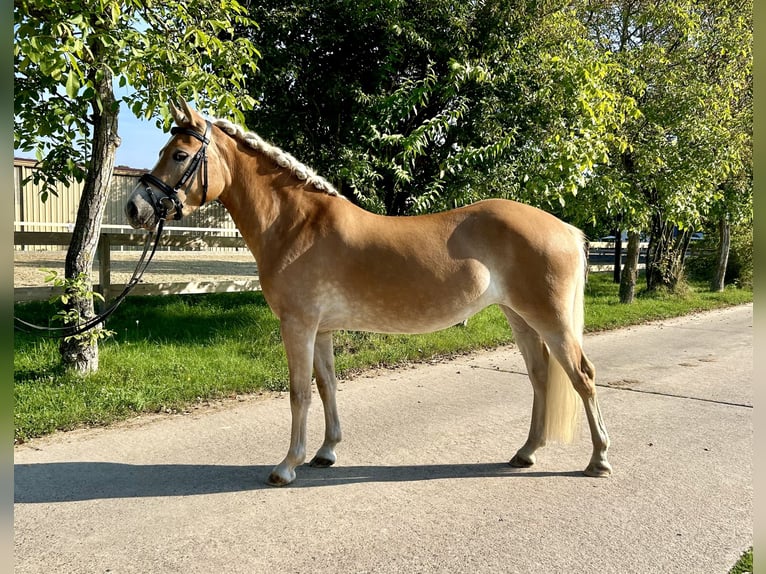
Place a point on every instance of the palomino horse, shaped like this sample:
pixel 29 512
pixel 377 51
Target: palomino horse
pixel 325 264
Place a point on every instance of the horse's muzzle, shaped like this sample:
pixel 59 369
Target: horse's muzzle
pixel 140 210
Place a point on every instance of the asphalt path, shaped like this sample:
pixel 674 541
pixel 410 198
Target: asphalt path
pixel 422 482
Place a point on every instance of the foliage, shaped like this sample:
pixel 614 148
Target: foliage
pixel 745 563
pixel 635 115
pixel 691 66
pixel 62 50
pixel 215 346
pixel 688 66
pixel 421 106
pixel 740 268
pixel 78 288
pixel 702 262
pixel 67 57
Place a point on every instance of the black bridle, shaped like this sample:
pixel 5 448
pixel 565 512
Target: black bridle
pixel 161 209
pixel 161 206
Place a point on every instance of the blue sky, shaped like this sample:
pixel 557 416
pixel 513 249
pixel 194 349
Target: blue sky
pixel 141 141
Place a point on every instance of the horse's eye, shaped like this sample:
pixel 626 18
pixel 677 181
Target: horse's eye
pixel 180 156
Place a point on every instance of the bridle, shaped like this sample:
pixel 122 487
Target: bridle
pixel 161 209
pixel 162 205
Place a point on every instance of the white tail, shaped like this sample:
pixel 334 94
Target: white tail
pixel 562 405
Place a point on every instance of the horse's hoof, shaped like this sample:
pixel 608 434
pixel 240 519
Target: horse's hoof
pixel 277 479
pixel 598 469
pixel 519 461
pixel 321 462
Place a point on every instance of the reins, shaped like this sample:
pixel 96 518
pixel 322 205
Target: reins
pixel 71 330
pixel 161 209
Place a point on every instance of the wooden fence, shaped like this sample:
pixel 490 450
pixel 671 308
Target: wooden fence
pixel 599 252
pixel 47 226
pixel 59 212
pixel 109 241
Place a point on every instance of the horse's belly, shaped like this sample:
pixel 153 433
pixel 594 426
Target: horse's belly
pixel 416 306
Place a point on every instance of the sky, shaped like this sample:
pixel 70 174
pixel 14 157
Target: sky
pixel 141 141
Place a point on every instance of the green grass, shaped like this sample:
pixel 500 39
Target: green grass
pixel 745 563
pixel 171 352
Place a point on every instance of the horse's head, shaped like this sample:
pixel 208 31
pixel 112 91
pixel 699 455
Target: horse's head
pixel 188 174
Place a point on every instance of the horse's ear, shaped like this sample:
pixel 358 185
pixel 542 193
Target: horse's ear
pixel 188 112
pixel 179 116
pixel 187 117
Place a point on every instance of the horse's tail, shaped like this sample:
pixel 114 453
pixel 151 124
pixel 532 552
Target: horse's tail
pixel 562 405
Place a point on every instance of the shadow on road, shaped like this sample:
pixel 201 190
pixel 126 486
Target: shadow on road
pixel 77 481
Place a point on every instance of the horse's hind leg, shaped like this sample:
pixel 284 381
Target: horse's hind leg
pixel 568 352
pixel 535 355
pixel 324 368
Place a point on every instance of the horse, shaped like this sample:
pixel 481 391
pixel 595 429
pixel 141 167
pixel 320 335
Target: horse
pixel 326 264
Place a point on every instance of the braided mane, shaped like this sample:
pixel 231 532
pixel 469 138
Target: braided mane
pixel 282 158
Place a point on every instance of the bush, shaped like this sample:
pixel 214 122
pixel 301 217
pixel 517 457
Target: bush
pixel 702 262
pixel 740 268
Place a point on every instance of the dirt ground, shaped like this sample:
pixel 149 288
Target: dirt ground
pixel 167 266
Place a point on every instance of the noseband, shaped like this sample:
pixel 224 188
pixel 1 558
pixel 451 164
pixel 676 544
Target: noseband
pixel 161 205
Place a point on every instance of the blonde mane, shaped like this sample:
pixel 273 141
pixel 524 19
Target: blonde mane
pixel 282 158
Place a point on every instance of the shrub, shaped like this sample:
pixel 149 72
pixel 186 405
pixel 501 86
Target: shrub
pixel 702 262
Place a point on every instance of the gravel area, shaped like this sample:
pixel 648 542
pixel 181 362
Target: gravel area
pixel 166 267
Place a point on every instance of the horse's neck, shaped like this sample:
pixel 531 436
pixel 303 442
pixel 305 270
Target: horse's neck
pixel 259 203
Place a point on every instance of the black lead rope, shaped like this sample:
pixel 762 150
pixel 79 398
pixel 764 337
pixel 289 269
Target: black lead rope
pixel 69 331
pixel 161 208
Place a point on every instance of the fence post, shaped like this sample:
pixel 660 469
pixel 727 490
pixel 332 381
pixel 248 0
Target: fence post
pixel 104 267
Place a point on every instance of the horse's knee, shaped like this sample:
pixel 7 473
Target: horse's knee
pixel 300 392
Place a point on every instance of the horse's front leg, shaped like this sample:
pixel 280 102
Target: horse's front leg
pixel 324 368
pixel 298 340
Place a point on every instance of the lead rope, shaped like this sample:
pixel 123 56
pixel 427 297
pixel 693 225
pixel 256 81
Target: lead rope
pixel 70 331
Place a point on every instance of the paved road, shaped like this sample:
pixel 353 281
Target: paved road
pixel 422 483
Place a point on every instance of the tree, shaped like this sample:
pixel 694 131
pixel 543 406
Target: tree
pixel 685 64
pixel 731 66
pixel 67 58
pixel 424 105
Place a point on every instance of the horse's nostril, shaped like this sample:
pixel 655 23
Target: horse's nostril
pixel 131 211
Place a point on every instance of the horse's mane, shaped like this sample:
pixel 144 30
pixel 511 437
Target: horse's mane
pixel 282 158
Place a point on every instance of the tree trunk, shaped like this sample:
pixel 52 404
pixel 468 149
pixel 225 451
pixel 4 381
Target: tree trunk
pixel 724 242
pixel 81 352
pixel 666 254
pixel 630 272
pixel 617 254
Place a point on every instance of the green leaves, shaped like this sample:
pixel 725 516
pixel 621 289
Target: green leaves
pixel 192 50
pixel 680 142
pixel 72 291
pixel 72 84
pixel 431 104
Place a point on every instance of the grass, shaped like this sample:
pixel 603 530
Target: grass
pixel 745 563
pixel 169 353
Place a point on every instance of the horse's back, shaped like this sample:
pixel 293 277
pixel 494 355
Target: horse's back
pixel 500 233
